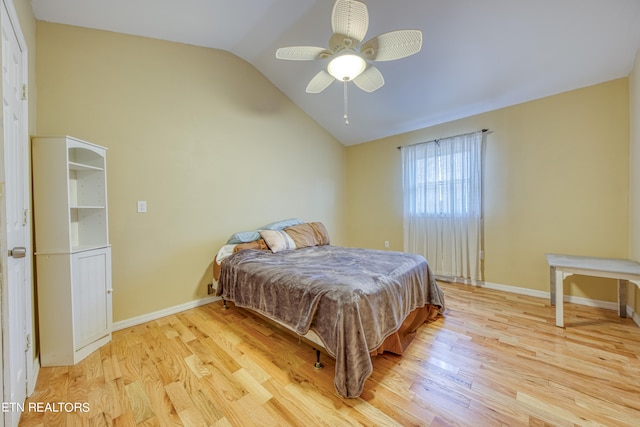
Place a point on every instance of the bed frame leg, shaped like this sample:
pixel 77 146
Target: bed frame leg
pixel 224 304
pixel 318 364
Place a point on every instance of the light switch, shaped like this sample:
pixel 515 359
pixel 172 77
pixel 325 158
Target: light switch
pixel 142 206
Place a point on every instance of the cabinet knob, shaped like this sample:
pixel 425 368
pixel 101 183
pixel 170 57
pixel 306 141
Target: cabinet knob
pixel 109 291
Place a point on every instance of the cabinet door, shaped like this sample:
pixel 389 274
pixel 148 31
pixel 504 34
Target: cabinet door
pixel 91 296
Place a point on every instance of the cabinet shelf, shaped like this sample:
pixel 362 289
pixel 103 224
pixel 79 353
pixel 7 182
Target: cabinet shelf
pixel 87 207
pixel 84 248
pixel 83 167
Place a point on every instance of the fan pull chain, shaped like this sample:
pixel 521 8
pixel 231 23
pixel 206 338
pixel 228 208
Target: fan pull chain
pixel 346 105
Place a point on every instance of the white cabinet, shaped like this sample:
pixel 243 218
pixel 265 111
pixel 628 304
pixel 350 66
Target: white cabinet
pixel 73 255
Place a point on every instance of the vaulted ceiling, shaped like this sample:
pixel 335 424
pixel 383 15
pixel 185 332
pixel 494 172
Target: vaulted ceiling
pixel 476 56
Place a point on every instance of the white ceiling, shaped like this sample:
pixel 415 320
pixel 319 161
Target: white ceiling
pixel 476 56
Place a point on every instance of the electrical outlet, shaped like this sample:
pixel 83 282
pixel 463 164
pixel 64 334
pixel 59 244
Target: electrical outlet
pixel 142 206
pixel 386 243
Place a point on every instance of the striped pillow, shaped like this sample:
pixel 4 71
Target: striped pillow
pixel 277 240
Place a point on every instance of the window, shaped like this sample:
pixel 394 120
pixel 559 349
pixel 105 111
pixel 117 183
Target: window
pixel 443 177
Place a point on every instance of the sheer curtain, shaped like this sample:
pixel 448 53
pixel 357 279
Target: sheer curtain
pixel 442 191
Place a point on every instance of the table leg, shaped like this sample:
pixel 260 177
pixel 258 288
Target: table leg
pixel 552 285
pixel 622 297
pixel 559 297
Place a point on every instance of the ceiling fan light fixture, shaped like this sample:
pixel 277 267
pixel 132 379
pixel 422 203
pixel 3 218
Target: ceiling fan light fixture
pixel 349 24
pixel 346 67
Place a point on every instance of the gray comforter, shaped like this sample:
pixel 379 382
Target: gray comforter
pixel 352 298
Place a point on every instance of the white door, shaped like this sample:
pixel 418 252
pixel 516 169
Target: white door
pixel 16 296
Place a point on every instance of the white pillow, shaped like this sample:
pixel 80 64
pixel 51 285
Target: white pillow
pixel 225 252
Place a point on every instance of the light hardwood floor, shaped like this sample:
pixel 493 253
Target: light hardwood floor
pixel 495 359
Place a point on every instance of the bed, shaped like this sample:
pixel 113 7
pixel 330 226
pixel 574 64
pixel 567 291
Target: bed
pixel 352 302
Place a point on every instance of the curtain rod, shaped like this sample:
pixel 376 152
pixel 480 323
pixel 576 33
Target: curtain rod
pixel 399 147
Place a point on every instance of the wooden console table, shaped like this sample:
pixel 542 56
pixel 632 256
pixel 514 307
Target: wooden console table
pixel 564 265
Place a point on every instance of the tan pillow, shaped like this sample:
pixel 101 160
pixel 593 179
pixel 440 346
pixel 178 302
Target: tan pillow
pixel 308 234
pixel 259 244
pixel 277 240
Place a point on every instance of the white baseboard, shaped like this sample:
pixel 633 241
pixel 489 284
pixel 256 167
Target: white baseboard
pixel 567 298
pixel 514 289
pixel 162 313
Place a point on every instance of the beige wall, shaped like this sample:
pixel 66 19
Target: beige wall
pixel 556 180
pixel 634 175
pixel 202 136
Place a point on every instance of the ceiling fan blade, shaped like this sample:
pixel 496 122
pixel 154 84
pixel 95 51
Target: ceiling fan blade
pixel 320 82
pixel 393 45
pixel 302 53
pixel 371 79
pixel 350 18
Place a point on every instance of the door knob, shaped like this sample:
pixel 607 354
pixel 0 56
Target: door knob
pixel 18 252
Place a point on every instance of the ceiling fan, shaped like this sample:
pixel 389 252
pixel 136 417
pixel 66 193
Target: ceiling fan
pixel 347 54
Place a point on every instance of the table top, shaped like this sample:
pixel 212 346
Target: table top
pixel 596 264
